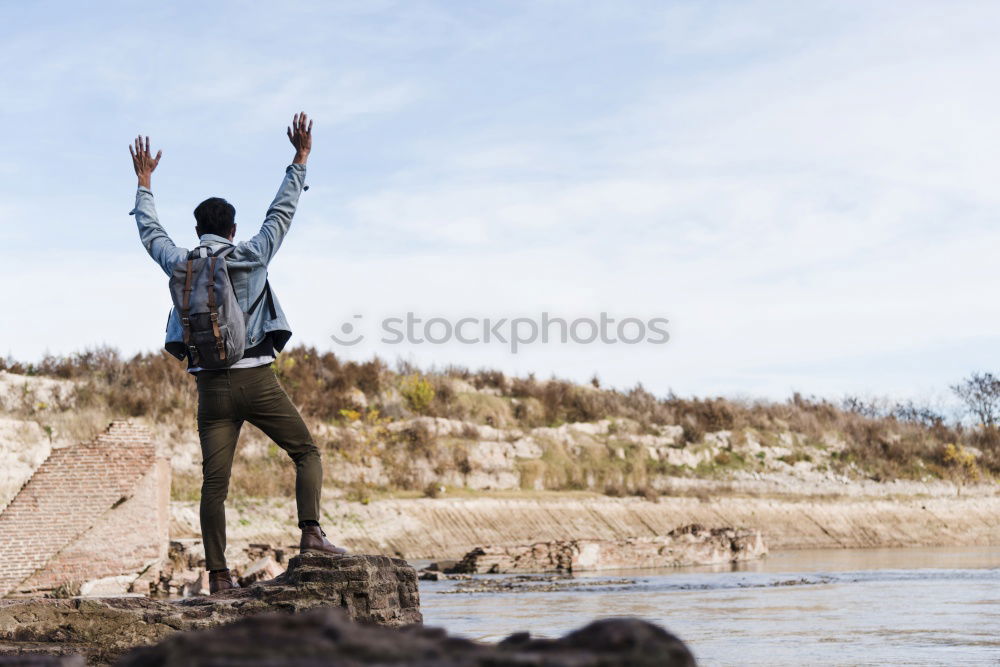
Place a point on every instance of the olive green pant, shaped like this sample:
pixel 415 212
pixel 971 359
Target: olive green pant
pixel 227 398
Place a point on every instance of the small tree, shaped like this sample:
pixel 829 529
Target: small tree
pixel 981 394
pixel 418 392
pixel 962 464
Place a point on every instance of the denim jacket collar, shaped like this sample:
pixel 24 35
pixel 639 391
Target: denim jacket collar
pixel 212 238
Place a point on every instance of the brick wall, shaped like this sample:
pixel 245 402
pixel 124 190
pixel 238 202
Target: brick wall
pixel 91 510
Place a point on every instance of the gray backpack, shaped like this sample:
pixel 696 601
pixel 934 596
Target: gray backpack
pixel 214 324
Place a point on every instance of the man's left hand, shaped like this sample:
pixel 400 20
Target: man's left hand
pixel 143 162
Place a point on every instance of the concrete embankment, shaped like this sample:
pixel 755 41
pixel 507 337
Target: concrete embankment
pixel 450 527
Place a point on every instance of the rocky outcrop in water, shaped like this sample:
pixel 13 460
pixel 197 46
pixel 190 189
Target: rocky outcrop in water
pixel 327 638
pixel 369 589
pixel 688 545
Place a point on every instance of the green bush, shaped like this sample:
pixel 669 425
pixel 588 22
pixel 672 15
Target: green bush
pixel 418 393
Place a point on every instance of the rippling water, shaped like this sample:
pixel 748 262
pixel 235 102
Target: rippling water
pixel 931 606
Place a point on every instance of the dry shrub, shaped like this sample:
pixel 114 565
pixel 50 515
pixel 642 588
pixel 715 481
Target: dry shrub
pixel 492 379
pixel 532 473
pixel 185 485
pixel 460 458
pixel 156 385
pixel 359 492
pixel 252 477
pixel 563 402
pixel 648 493
pixel 271 476
pixel 884 439
pixel 419 439
pixel 153 385
pixel 528 412
pixel 480 409
pixel 320 384
pixel 693 432
pixel 987 441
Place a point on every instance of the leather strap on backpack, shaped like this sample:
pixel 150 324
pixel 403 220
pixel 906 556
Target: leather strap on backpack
pixel 213 310
pixel 186 312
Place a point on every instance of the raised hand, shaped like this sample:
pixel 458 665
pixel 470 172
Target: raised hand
pixel 143 162
pixel 300 134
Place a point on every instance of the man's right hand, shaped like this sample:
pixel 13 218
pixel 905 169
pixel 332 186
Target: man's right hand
pixel 300 134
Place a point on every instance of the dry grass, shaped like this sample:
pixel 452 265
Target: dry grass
pixel 882 439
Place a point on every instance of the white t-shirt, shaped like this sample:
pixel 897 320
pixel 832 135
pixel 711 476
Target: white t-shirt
pixel 245 362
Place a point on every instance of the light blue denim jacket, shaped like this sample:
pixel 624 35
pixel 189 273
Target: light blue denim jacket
pixel 247 263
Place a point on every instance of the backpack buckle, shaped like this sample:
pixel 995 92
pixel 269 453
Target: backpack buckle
pixel 214 317
pixel 186 321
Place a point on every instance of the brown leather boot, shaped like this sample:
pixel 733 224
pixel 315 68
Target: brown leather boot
pixel 314 539
pixel 220 581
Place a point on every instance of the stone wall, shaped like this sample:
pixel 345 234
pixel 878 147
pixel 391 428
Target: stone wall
pixel 92 510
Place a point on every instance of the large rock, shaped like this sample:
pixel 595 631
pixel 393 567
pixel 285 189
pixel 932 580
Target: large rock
pixel 370 589
pixel 688 545
pixel 327 638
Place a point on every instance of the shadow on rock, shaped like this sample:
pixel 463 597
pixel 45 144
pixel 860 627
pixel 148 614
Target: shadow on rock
pixel 328 637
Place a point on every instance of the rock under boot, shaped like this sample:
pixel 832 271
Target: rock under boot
pixel 314 539
pixel 220 581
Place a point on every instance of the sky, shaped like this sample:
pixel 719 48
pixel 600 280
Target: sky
pixel 806 191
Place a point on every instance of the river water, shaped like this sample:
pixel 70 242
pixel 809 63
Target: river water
pixel 928 606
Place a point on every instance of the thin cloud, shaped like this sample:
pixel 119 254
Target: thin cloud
pixel 805 191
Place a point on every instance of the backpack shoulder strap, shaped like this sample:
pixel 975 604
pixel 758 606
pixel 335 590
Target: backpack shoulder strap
pixel 186 312
pixel 213 309
pixel 256 302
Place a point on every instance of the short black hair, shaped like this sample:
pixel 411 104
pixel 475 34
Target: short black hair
pixel 215 216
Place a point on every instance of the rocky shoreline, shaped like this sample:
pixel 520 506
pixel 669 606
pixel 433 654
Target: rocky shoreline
pixel 324 610
pixel 369 589
pixel 326 637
